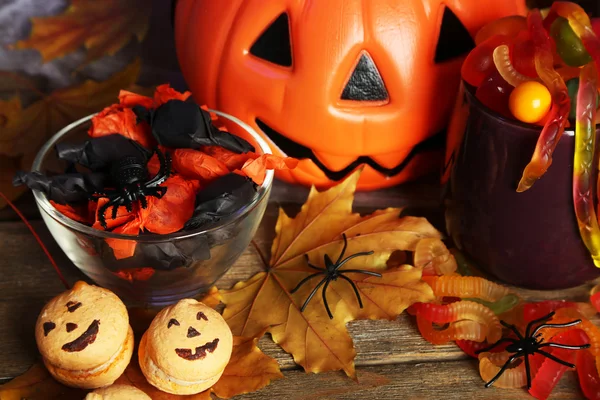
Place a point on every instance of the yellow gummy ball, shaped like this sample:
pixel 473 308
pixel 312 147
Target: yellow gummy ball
pixel 530 101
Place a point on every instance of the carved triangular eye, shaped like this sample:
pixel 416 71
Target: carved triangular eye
pixel 274 44
pixel 454 39
pixel 365 83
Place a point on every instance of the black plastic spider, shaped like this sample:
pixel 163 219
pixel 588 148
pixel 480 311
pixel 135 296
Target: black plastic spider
pixel 331 273
pixel 529 344
pixel 130 175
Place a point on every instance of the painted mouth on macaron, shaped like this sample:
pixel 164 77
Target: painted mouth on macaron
pixel 200 353
pixel 85 339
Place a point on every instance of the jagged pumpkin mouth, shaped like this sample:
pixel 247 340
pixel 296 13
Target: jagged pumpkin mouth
pixel 199 353
pixel 296 150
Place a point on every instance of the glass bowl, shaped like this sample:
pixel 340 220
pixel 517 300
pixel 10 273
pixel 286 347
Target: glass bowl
pixel 164 268
pixel 528 239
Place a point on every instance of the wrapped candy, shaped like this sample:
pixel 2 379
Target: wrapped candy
pixel 146 172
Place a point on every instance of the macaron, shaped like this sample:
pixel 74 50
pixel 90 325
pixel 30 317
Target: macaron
pixel 118 392
pixel 186 348
pixel 84 337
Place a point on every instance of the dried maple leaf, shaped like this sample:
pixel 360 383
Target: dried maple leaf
pixel 37 384
pixel 249 369
pixel 103 27
pixel 316 342
pixel 24 130
pixel 212 298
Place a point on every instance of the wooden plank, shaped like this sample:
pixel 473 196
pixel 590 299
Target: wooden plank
pixel 455 380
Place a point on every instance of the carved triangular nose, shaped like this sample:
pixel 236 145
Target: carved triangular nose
pixel 365 83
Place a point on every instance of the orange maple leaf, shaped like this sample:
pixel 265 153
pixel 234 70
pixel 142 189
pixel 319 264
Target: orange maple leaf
pixel 317 342
pixel 24 130
pixel 103 27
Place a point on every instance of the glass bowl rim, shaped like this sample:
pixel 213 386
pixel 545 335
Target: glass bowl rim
pixel 44 203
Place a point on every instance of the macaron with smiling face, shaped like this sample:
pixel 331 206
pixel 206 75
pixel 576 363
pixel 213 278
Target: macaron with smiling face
pixel 84 336
pixel 186 348
pixel 118 392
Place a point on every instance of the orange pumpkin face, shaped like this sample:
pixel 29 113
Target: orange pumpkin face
pixel 339 83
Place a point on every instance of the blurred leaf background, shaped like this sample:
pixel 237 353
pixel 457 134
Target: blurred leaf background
pixel 61 60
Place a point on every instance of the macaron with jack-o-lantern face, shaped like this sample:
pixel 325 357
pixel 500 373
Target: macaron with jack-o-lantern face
pixel 117 392
pixel 84 336
pixel 186 348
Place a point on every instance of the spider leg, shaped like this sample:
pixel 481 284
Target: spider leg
pixel 343 249
pixel 303 281
pixel 311 265
pixel 142 197
pixel 492 346
pixel 565 325
pixel 165 169
pixel 512 328
pixel 506 364
pixel 554 358
pixel 360 304
pixel 536 321
pixel 528 371
pixel 325 299
pixel 312 294
pixel 362 271
pixel 366 253
pixel 128 203
pixel 104 208
pixel 115 210
pixel 565 346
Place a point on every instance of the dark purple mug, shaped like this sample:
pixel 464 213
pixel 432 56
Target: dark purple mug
pixel 528 239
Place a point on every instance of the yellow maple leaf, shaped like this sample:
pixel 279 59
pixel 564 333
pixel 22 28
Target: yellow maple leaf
pixel 103 27
pixel 24 130
pixel 317 342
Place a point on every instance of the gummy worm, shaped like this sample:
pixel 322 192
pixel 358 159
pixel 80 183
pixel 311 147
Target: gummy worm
pixel 589 381
pixel 432 255
pixel 567 314
pixel 581 24
pixel 505 68
pixel 466 287
pixel 471 347
pixel 467 330
pixel 490 364
pixel 459 311
pixel 561 103
pixel 550 371
pixel 583 170
pixel 536 310
pixel 501 306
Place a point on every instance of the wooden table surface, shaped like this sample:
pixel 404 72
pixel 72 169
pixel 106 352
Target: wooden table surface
pixel 393 361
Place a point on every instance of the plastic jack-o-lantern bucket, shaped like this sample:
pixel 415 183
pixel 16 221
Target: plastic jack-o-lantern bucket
pixel 338 83
pixel 529 239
